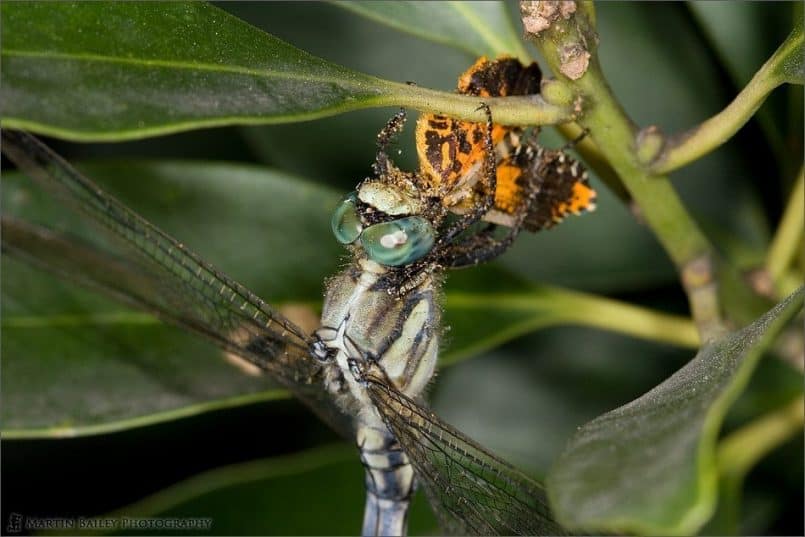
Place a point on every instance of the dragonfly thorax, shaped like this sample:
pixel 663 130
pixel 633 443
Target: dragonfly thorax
pixel 362 321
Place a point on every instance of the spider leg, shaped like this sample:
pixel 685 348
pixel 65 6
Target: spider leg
pixel 484 246
pixel 477 249
pixel 572 143
pixel 392 128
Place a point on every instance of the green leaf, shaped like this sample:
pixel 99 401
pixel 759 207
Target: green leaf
pixel 262 497
pixel 75 374
pixel 479 28
pixel 788 60
pixel 649 466
pixel 155 68
pixel 59 339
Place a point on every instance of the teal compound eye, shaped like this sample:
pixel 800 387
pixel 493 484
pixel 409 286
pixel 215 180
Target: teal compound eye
pixel 399 242
pixel 346 223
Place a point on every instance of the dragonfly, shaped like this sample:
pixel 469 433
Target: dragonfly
pixel 364 369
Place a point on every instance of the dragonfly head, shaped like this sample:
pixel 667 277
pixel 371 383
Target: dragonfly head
pixel 385 219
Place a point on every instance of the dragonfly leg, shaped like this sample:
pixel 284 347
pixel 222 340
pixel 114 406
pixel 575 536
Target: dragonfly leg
pixel 321 351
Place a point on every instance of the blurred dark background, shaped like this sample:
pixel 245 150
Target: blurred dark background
pixel 529 395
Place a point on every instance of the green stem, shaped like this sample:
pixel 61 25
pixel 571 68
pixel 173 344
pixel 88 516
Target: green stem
pixel 742 449
pixel 568 44
pixel 636 321
pixel 788 283
pixel 615 134
pixel 764 117
pixel 691 145
pixel 595 160
pixel 570 307
pixel 787 239
pixel 505 110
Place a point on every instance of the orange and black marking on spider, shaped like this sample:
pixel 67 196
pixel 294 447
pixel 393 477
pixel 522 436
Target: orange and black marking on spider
pixel 478 186
pixel 546 184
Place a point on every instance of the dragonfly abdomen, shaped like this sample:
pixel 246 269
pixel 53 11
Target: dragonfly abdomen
pixel 389 481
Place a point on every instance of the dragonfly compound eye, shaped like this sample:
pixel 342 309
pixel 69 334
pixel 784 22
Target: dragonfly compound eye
pixel 398 242
pixel 346 223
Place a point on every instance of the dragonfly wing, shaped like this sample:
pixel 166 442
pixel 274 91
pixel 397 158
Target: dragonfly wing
pixel 143 266
pixel 472 491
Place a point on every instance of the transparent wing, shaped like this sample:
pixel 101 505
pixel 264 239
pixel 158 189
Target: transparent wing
pixel 145 267
pixel 472 491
